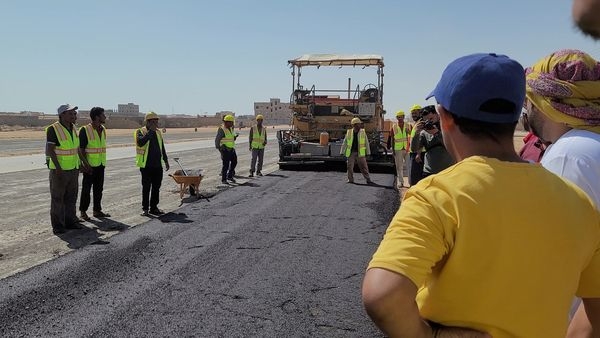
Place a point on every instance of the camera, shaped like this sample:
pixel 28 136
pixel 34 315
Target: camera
pixel 430 125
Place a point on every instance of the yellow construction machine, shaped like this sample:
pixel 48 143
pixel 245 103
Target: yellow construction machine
pixel 321 116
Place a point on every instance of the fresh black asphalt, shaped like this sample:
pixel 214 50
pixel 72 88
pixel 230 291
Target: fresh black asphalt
pixel 280 256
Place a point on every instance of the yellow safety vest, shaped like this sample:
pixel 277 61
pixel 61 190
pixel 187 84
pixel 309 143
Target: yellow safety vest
pixel 229 139
pixel 400 139
pixel 141 153
pixel 362 142
pixel 95 151
pixel 67 152
pixel 412 135
pixel 258 138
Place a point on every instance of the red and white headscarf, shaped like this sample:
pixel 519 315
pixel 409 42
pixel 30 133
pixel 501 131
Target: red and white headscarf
pixel 565 86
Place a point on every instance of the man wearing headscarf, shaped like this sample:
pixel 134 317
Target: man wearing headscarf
pixel 563 109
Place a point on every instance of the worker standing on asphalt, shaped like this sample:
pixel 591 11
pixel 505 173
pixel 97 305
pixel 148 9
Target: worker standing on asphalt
pixel 63 158
pixel 415 171
pixel 225 143
pixel 400 142
pixel 257 141
pixel 92 141
pixel 356 147
pixel 150 154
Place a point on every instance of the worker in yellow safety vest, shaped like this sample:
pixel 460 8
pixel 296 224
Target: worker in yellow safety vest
pixel 400 142
pixel 257 142
pixel 150 155
pixel 225 143
pixel 92 141
pixel 415 168
pixel 356 147
pixel 63 157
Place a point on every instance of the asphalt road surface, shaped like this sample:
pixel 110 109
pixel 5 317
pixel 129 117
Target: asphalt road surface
pixel 279 256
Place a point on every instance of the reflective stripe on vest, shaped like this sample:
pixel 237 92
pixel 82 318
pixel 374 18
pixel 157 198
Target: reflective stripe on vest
pixel 67 151
pixel 141 153
pixel 95 151
pixel 258 139
pixel 229 139
pixel 362 142
pixel 400 139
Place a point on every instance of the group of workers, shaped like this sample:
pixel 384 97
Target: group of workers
pixel 225 143
pixel 70 151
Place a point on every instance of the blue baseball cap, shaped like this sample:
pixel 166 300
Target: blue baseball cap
pixel 470 81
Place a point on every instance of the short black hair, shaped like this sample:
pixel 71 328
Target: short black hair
pixel 489 130
pixel 96 111
pixel 428 110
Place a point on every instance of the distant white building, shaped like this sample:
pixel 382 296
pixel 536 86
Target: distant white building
pixel 128 109
pixel 275 112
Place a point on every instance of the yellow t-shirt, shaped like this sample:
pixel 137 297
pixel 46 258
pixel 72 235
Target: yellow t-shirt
pixel 496 246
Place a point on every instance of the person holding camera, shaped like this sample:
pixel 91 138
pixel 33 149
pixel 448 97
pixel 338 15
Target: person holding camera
pixel 436 156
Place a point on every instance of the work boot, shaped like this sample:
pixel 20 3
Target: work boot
pixel 145 213
pixel 231 179
pixel 252 174
pixel 258 173
pixel 58 230
pixel 84 216
pixel 100 214
pixel 157 212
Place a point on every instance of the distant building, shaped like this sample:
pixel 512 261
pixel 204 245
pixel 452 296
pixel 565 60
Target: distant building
pixel 274 111
pixel 128 109
pixel 221 114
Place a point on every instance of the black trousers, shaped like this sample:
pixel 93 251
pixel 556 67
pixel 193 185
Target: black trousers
pixel 151 181
pixel 95 180
pixel 64 187
pixel 229 158
pixel 416 169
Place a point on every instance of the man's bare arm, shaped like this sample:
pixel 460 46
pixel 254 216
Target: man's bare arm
pixel 586 322
pixel 389 299
pixel 50 151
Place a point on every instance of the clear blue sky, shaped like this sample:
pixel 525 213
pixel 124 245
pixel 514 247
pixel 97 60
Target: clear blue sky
pixel 192 57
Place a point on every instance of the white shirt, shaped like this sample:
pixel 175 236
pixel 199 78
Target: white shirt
pixel 576 157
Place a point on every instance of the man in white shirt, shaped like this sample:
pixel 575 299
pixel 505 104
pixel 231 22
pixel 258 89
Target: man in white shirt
pixel 563 108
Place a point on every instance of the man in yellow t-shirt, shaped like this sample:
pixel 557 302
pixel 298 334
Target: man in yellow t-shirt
pixel 472 251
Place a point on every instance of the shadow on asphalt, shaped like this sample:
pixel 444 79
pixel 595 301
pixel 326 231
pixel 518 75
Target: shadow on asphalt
pixel 375 185
pixel 107 224
pixel 175 217
pixel 79 238
pixel 277 175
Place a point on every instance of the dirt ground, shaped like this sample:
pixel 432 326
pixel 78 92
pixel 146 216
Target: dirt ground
pixel 39 133
pixel 26 239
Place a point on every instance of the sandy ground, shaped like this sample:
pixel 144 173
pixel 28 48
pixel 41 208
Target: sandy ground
pixel 39 133
pixel 26 239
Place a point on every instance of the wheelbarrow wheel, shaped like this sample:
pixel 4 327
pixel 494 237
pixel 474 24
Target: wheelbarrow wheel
pixel 192 190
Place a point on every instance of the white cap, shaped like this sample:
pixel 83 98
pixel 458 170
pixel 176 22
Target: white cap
pixel 66 107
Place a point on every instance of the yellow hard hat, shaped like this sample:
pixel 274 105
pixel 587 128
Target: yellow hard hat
pixel 399 113
pixel 259 117
pixel 228 118
pixel 151 116
pixel 355 120
pixel 415 107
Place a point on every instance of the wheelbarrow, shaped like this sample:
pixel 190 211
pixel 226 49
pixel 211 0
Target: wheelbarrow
pixel 188 180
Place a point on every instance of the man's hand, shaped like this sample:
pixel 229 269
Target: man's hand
pixel 167 166
pixel 420 125
pixel 418 158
